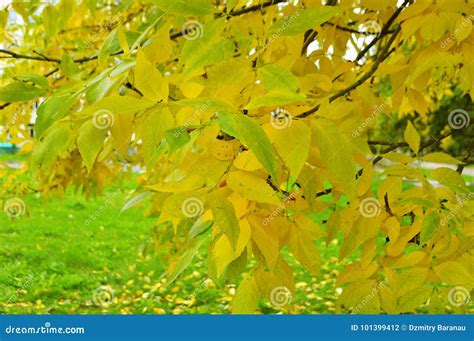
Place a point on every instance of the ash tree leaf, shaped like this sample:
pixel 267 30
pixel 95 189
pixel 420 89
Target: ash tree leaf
pixel 90 141
pixel 225 217
pixel 247 296
pixel 183 263
pixel 156 123
pixel 177 138
pixel 208 49
pixel 251 134
pixel 412 137
pixel 18 91
pixel 52 109
pixel 186 7
pixel 281 85
pixel 336 153
pixel 303 20
pixel 149 80
pixel 429 226
pixel 292 144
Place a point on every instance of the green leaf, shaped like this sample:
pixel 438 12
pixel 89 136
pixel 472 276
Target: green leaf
pixel 225 217
pixel 177 138
pixel 186 7
pixel 57 141
pixel 69 68
pixel 250 133
pixel 303 20
pixel 158 120
pixel 208 49
pixel 275 77
pixel 336 153
pixel 50 20
pixel 104 51
pixel 20 91
pixel 184 261
pixel 412 137
pixel 53 109
pixel 429 226
pixel 282 87
pixel 90 141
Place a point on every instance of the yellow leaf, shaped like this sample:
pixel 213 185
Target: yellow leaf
pixel 412 137
pixel 453 273
pixel 149 80
pixel 441 158
pixel 409 260
pixel 292 144
pixel 247 296
pixel 252 187
pixel 266 242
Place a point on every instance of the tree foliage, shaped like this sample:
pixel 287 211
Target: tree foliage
pixel 249 118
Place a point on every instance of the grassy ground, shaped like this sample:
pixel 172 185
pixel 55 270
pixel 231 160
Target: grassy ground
pixel 53 262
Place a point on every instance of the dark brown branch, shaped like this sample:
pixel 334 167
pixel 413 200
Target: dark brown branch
pixel 22 56
pixel 383 55
pixel 383 32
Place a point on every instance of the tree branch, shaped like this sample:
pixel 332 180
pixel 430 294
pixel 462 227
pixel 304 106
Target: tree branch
pixel 383 32
pixel 383 55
